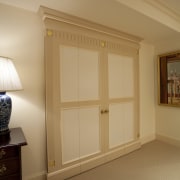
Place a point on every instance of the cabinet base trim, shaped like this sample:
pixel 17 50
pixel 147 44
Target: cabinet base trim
pixel 37 176
pixel 147 139
pixel 94 162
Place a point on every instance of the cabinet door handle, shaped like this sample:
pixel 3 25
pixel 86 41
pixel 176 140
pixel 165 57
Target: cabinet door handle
pixel 2 169
pixel 104 111
pixel 2 153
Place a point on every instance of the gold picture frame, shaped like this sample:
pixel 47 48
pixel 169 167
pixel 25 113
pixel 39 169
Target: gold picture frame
pixel 169 79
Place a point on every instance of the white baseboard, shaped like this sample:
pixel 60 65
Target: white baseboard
pixel 169 140
pixel 147 139
pixel 38 176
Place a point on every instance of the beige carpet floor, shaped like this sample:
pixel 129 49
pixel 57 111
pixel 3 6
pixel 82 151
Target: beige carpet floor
pixel 154 161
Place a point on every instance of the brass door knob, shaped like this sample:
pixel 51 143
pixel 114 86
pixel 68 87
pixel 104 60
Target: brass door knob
pixel 104 111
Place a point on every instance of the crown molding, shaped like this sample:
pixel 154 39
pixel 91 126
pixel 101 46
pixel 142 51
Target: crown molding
pixel 164 8
pixel 47 13
pixel 157 10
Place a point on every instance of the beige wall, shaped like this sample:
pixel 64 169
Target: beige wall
pixel 21 38
pixel 147 100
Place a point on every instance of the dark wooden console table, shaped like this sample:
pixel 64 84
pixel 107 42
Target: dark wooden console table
pixel 10 154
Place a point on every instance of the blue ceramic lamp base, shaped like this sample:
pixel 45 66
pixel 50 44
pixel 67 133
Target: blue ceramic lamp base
pixel 5 113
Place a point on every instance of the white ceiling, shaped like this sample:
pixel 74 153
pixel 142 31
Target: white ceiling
pixel 110 13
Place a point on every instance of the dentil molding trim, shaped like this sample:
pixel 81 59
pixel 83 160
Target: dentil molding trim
pixel 58 16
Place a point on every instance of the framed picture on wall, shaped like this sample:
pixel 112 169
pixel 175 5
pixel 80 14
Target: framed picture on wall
pixel 169 79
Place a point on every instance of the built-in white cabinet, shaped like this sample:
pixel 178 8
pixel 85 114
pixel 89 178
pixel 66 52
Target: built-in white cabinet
pixel 92 96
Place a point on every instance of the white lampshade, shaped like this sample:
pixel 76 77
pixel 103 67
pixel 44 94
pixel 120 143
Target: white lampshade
pixel 9 79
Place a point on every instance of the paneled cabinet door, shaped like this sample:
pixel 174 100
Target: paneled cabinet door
pixel 121 88
pixel 80 121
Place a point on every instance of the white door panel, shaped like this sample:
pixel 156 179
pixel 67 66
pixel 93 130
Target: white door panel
pixel 121 123
pixel 88 75
pixel 116 128
pixel 79 74
pixel 68 73
pixel 89 131
pixel 80 133
pixel 70 135
pixel 120 76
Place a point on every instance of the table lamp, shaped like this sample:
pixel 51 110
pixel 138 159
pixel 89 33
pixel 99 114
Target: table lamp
pixel 9 81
